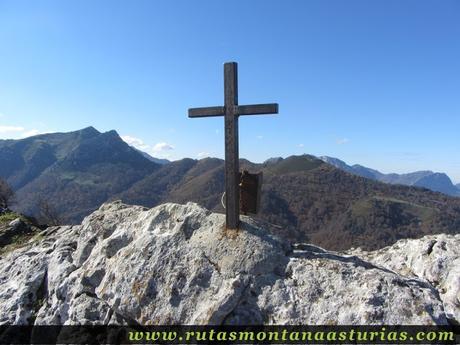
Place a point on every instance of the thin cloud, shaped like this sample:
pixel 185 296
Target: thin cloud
pixel 342 141
pixel 260 137
pixel 136 142
pixel 160 150
pixel 160 147
pixel 30 133
pixel 301 145
pixel 18 132
pixel 11 129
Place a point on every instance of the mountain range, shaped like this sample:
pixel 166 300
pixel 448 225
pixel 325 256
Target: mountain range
pixel 435 181
pixel 307 199
pixel 74 172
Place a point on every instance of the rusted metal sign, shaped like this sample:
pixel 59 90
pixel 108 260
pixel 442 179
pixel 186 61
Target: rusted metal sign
pixel 231 111
pixel 250 192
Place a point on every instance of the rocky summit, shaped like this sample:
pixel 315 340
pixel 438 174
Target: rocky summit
pixel 176 264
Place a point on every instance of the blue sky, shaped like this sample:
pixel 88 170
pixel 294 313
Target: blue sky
pixel 370 82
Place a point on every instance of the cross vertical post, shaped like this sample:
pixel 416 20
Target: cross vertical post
pixel 231 112
pixel 232 195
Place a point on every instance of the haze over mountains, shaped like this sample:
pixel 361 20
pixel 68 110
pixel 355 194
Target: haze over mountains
pixel 310 200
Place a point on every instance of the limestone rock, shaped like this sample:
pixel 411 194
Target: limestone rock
pixel 14 229
pixel 176 264
pixel 434 258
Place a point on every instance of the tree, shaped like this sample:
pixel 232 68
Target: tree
pixel 6 194
pixel 47 213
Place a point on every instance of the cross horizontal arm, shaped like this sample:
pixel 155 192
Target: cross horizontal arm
pixel 208 111
pixel 256 109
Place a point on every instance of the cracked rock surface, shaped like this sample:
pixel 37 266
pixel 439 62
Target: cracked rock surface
pixel 434 258
pixel 176 264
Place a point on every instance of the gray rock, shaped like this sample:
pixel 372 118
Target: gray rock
pixel 176 264
pixel 15 223
pixel 14 229
pixel 434 259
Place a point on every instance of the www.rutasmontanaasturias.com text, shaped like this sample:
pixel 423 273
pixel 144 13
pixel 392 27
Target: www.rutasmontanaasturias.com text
pixel 292 336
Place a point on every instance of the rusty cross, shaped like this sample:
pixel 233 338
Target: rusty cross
pixel 231 110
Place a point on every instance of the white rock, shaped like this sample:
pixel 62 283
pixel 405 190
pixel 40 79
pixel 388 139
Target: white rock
pixel 15 222
pixel 176 264
pixel 434 258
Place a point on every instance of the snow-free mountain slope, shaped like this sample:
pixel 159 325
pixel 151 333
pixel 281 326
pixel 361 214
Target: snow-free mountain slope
pixel 438 182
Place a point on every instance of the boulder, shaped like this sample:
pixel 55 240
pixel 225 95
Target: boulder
pixel 177 264
pixel 434 259
pixel 13 230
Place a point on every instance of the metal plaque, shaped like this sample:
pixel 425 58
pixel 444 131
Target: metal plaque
pixel 250 192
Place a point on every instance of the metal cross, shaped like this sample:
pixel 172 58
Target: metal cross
pixel 231 110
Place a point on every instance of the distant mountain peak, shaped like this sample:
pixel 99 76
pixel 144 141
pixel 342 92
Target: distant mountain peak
pixel 295 163
pixel 438 182
pixel 89 129
pixel 112 132
pixel 335 162
pixel 272 160
pixel 87 132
